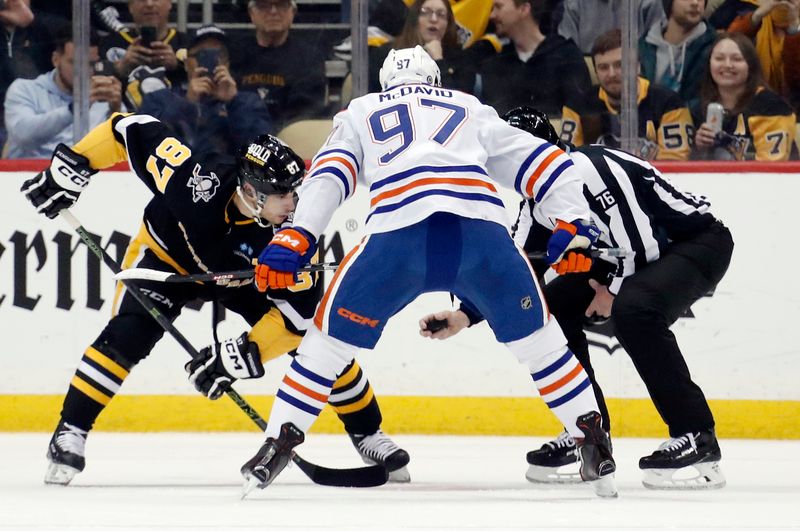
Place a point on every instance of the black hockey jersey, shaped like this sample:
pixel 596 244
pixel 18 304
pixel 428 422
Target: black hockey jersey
pixel 191 222
pixel 665 123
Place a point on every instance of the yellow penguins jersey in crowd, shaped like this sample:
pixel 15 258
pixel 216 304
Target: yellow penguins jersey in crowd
pixel 191 223
pixel 765 130
pixel 665 123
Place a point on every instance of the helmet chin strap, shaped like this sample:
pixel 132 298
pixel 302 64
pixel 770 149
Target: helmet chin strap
pixel 255 213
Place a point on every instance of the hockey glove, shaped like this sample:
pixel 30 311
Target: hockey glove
pixel 219 365
pixel 278 263
pixel 59 186
pixel 579 234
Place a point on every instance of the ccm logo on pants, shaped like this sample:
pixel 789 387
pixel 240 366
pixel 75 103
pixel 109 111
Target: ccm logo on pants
pixel 358 319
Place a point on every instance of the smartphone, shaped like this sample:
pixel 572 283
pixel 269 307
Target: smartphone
pixel 103 68
pixel 148 34
pixel 208 58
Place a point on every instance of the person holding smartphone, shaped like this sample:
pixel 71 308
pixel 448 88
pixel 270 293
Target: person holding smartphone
pixel 209 112
pixel 146 56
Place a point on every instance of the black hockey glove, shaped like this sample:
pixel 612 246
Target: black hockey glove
pixel 219 365
pixel 59 186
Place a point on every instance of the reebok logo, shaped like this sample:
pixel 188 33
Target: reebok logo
pixel 358 319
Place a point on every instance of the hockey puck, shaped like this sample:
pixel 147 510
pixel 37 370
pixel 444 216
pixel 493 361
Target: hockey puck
pixel 434 325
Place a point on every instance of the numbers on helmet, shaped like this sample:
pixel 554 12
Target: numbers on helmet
pixel 172 153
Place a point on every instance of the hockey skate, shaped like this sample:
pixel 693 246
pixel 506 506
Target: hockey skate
pixel 271 458
pixel 555 462
pixel 379 449
pixel 594 450
pixel 690 461
pixel 66 454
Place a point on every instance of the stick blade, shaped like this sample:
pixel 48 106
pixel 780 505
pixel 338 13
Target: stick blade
pixel 142 274
pixel 361 477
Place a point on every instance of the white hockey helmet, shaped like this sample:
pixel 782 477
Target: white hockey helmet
pixel 409 65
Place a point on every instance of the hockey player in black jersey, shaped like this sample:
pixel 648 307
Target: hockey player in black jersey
pixel 207 214
pixel 677 251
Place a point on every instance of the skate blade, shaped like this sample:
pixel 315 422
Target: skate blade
pixel 401 475
pixel 249 486
pixel 58 474
pixel 605 487
pixel 700 476
pixel 554 476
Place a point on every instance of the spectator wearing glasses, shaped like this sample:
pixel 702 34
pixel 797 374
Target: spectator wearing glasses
pixel 430 24
pixel 287 73
pixel 212 114
pixel 38 112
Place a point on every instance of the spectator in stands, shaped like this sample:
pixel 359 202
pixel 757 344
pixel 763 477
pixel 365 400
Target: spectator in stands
pixel 585 20
pixel 665 123
pixel 145 57
pixel 673 53
pixel 531 69
pixel 287 73
pixel 39 111
pixel 757 124
pixel 28 47
pixel 431 24
pixel 211 115
pixel 774 26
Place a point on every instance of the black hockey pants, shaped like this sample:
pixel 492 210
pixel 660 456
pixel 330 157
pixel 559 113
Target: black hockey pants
pixel 648 303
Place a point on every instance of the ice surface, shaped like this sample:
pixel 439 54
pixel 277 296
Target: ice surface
pixel 191 481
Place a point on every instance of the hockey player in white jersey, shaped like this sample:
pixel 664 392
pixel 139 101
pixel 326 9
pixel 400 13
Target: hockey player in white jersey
pixel 431 158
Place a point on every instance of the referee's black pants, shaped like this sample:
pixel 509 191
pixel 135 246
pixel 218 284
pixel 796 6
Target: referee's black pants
pixel 648 303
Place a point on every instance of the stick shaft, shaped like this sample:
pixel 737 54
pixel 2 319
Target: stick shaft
pixel 237 274
pixel 612 252
pixel 154 312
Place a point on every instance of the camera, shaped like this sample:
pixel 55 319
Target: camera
pixel 103 68
pixel 148 34
pixel 208 58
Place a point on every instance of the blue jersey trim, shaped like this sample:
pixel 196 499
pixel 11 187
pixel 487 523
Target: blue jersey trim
pixel 314 377
pixel 469 168
pixel 550 180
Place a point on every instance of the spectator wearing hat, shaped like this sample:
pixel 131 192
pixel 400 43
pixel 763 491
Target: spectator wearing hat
pixel 209 113
pixel 287 72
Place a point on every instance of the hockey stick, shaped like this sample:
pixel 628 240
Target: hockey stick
pixel 140 273
pixel 610 252
pixel 368 476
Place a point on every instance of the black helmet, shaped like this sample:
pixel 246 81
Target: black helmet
pixel 270 167
pixel 535 122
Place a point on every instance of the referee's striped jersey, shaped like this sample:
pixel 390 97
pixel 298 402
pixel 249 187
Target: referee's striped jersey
pixel 634 206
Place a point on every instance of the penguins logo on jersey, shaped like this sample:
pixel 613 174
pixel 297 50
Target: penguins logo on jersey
pixel 203 186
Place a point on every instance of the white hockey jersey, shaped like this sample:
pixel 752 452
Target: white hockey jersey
pixel 422 149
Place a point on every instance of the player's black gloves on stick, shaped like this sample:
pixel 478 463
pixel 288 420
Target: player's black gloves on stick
pixel 222 363
pixel 59 186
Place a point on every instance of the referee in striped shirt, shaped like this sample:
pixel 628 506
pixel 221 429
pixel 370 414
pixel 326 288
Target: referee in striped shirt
pixel 677 251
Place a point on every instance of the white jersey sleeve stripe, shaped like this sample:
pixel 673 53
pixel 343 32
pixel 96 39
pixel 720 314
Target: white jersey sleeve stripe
pixel 347 190
pixel 545 186
pixel 327 152
pixel 523 169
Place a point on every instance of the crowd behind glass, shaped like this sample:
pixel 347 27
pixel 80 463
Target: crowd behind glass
pixel 718 80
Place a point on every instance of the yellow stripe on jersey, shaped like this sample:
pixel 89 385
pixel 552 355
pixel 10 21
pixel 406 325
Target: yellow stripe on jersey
pixel 772 136
pixel 107 363
pixel 86 388
pixel 673 134
pixel 100 146
pixel 571 127
pixel 355 406
pixel 272 337
pixel 347 377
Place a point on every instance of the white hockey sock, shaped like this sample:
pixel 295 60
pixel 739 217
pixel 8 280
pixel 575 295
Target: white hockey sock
pixel 565 388
pixel 300 399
